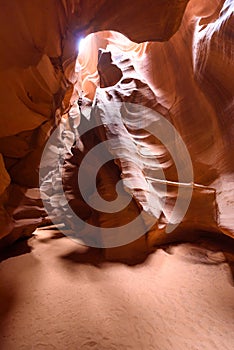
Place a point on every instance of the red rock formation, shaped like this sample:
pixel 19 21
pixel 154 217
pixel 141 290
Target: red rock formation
pixel 189 76
pixel 147 168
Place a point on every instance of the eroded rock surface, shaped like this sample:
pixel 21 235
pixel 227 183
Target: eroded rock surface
pixel 188 79
pixel 134 122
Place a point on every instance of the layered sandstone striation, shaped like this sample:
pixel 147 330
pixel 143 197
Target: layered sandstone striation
pixel 185 75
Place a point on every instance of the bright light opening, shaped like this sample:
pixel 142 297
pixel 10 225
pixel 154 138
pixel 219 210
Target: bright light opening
pixel 81 45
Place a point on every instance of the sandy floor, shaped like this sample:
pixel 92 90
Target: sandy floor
pixel 57 295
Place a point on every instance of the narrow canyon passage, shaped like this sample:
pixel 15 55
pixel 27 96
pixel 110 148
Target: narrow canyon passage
pixel 59 295
pixel 117 175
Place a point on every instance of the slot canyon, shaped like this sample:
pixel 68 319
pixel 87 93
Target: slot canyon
pixel 117 175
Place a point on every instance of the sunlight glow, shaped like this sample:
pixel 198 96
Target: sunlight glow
pixel 81 45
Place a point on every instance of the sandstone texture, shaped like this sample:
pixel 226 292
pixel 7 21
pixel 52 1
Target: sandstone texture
pixel 174 57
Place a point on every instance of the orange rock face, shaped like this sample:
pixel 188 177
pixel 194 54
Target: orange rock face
pixel 184 73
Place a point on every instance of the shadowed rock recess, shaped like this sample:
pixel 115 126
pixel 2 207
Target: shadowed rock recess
pixel 174 57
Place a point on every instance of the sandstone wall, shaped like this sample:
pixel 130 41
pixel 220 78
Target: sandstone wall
pixel 189 70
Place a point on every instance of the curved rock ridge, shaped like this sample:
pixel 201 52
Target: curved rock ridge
pixel 147 168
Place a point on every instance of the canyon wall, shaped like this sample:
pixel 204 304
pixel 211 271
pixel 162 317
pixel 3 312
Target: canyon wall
pixel 187 72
